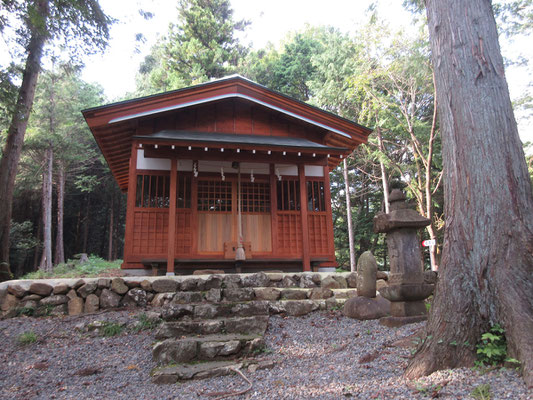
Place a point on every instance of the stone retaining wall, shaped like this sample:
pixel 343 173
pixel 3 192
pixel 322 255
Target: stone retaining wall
pixel 89 295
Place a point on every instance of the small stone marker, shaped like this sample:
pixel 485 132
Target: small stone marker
pixel 366 270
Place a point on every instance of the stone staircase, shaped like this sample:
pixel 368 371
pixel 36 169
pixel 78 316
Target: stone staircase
pixel 214 325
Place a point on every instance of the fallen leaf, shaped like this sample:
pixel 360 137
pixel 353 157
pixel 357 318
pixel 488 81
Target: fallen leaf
pixel 87 371
pixel 40 366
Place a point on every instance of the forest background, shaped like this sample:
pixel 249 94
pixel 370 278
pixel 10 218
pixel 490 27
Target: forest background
pixel 375 75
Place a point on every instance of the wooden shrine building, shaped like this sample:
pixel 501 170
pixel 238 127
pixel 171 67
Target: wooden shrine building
pixel 178 155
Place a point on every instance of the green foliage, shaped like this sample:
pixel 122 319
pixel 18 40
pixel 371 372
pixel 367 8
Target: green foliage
pixel 492 348
pixel 202 45
pixel 431 390
pixel 72 269
pixel 26 311
pixel 428 302
pixel 77 28
pixel 110 329
pixel 514 17
pixel 44 311
pixel 56 121
pixel 145 324
pixel 22 242
pixel 481 392
pixel 27 338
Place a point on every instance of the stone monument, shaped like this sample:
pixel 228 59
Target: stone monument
pixel 366 305
pixel 406 289
pixel 366 275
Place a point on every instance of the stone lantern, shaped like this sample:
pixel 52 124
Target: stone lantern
pixel 406 290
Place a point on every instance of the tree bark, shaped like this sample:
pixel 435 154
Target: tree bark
pixel 487 262
pixel 37 249
pixel 111 220
pixel 86 224
pixel 349 215
pixel 46 258
pixel 17 129
pixel 384 179
pixel 60 250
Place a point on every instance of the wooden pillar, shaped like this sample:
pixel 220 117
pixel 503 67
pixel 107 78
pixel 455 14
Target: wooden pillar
pixel 303 215
pixel 327 200
pixel 130 208
pixel 274 208
pixel 172 217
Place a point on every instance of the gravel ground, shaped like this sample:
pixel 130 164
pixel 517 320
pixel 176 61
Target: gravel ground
pixel 317 358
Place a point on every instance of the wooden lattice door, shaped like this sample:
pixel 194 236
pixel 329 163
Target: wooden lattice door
pixel 217 215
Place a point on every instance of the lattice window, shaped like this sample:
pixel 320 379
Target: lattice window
pixel 183 192
pixel 315 196
pixel 288 195
pixel 214 196
pixel 255 197
pixel 153 191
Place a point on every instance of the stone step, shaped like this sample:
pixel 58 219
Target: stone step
pixel 242 325
pixel 174 312
pixel 239 295
pixel 203 311
pixel 206 348
pixel 175 373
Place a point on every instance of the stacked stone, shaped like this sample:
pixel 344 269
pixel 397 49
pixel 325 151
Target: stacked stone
pixel 295 294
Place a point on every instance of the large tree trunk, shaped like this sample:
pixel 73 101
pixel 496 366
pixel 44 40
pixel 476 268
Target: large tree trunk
pixel 60 189
pixel 349 215
pixel 46 258
pixel 486 274
pixel 17 130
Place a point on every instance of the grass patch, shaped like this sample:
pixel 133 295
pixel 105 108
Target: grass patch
pixel 262 350
pixel 44 311
pixel 27 338
pixel 72 269
pixel 110 329
pixel 27 311
pixel 481 392
pixel 145 324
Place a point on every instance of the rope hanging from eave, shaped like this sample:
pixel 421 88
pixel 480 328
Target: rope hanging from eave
pixel 239 253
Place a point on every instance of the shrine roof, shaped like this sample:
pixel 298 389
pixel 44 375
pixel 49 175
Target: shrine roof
pixel 115 125
pixel 280 142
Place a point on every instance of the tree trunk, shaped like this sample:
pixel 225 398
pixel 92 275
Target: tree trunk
pixel 384 179
pixel 37 249
pixel 86 224
pixel 111 218
pixel 17 130
pixel 349 215
pixel 46 258
pixel 78 231
pixel 487 262
pixel 117 224
pixel 60 250
pixel 429 193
